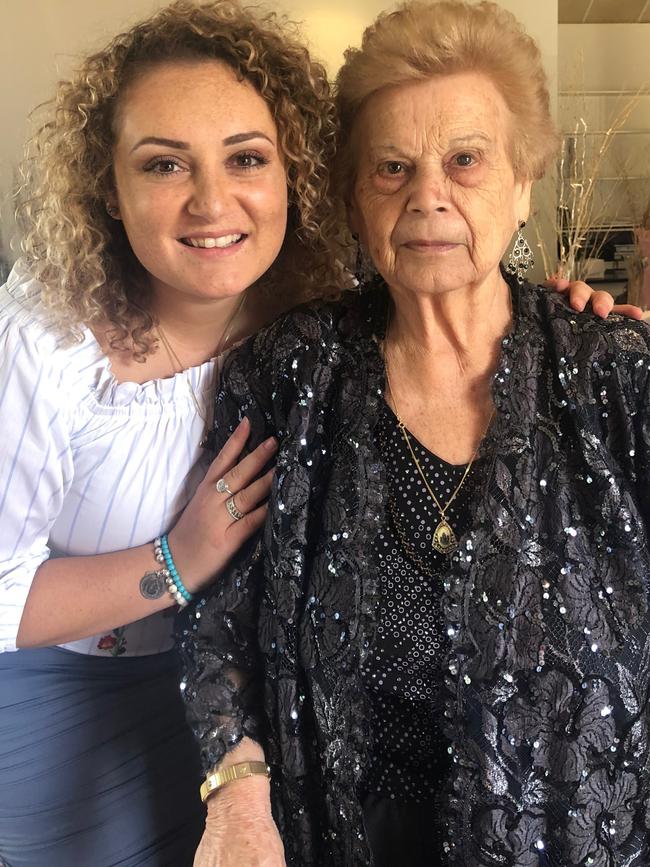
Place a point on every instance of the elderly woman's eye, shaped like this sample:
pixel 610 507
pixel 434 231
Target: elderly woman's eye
pixel 464 160
pixel 394 167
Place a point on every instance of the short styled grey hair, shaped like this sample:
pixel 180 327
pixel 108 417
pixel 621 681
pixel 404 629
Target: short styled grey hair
pixel 422 40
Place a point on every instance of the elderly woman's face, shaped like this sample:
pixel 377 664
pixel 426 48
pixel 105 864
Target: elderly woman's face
pixel 435 200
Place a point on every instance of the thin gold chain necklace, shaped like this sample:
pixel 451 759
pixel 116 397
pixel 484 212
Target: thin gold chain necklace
pixel 444 539
pixel 176 362
pixel 407 544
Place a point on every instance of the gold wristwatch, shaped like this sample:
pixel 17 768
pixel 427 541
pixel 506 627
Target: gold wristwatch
pixel 218 779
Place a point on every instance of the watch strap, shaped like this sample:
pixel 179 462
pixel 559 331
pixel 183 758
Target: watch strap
pixel 222 777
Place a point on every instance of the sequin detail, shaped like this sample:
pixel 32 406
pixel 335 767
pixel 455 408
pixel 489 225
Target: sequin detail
pixel 547 629
pixel 403 671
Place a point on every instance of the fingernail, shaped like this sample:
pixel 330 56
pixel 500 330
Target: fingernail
pixel 271 444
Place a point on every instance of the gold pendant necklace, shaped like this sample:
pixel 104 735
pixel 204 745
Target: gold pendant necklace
pixel 444 539
pixel 176 362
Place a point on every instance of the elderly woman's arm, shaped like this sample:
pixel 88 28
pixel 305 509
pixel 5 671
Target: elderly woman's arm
pixel 239 829
pixel 223 666
pixel 222 690
pixel 223 694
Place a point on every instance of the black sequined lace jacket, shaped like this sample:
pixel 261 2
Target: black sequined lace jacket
pixel 548 667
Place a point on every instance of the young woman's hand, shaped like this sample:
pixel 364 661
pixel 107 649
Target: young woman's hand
pixel 602 303
pixel 207 534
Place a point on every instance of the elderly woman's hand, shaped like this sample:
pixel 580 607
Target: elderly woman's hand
pixel 602 303
pixel 240 831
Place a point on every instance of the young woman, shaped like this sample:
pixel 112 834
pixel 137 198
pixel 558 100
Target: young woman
pixel 179 186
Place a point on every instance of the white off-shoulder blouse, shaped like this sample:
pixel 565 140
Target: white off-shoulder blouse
pixel 87 465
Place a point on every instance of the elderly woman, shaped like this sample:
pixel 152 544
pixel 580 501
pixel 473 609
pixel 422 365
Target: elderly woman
pixel 441 646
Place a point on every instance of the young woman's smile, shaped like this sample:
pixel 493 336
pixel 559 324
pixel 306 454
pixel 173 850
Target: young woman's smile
pixel 200 182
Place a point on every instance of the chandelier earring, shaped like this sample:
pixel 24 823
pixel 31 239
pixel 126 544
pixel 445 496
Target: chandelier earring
pixel 521 256
pixel 364 269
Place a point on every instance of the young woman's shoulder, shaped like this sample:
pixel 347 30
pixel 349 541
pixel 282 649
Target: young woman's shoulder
pixel 26 329
pixel 31 342
pixel 21 307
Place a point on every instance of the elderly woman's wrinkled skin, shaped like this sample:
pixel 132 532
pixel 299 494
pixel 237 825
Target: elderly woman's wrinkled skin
pixel 436 201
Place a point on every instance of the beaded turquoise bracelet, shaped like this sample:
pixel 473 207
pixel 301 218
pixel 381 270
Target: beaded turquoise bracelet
pixel 173 580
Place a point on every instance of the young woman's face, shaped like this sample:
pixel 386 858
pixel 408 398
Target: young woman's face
pixel 200 181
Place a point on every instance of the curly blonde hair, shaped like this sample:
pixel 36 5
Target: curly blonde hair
pixel 420 40
pixel 82 256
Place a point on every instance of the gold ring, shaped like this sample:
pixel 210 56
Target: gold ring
pixel 233 511
pixel 222 487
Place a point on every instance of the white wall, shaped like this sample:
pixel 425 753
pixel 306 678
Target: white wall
pixel 610 57
pixel 614 56
pixel 41 40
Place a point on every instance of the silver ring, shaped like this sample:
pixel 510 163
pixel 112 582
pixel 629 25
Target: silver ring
pixel 233 511
pixel 222 487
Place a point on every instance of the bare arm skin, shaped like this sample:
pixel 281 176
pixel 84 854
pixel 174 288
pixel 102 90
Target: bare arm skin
pixel 75 597
pixel 239 829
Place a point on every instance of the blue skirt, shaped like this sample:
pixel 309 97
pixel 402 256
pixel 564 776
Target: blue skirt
pixel 97 764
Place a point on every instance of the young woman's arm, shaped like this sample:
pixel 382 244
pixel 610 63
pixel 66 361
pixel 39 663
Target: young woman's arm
pixel 74 597
pixel 43 601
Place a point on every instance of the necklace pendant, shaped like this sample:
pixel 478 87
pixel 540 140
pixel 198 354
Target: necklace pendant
pixel 444 539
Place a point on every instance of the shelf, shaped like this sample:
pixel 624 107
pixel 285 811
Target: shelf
pixel 642 92
pixel 581 132
pixel 620 178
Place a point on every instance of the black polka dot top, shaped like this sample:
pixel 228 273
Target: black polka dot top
pixel 403 670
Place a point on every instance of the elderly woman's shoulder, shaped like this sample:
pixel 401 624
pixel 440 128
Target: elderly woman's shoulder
pixel 349 309
pixel 582 331
pixel 318 323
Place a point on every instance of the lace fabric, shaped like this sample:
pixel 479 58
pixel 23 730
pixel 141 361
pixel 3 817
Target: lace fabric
pixel 548 664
